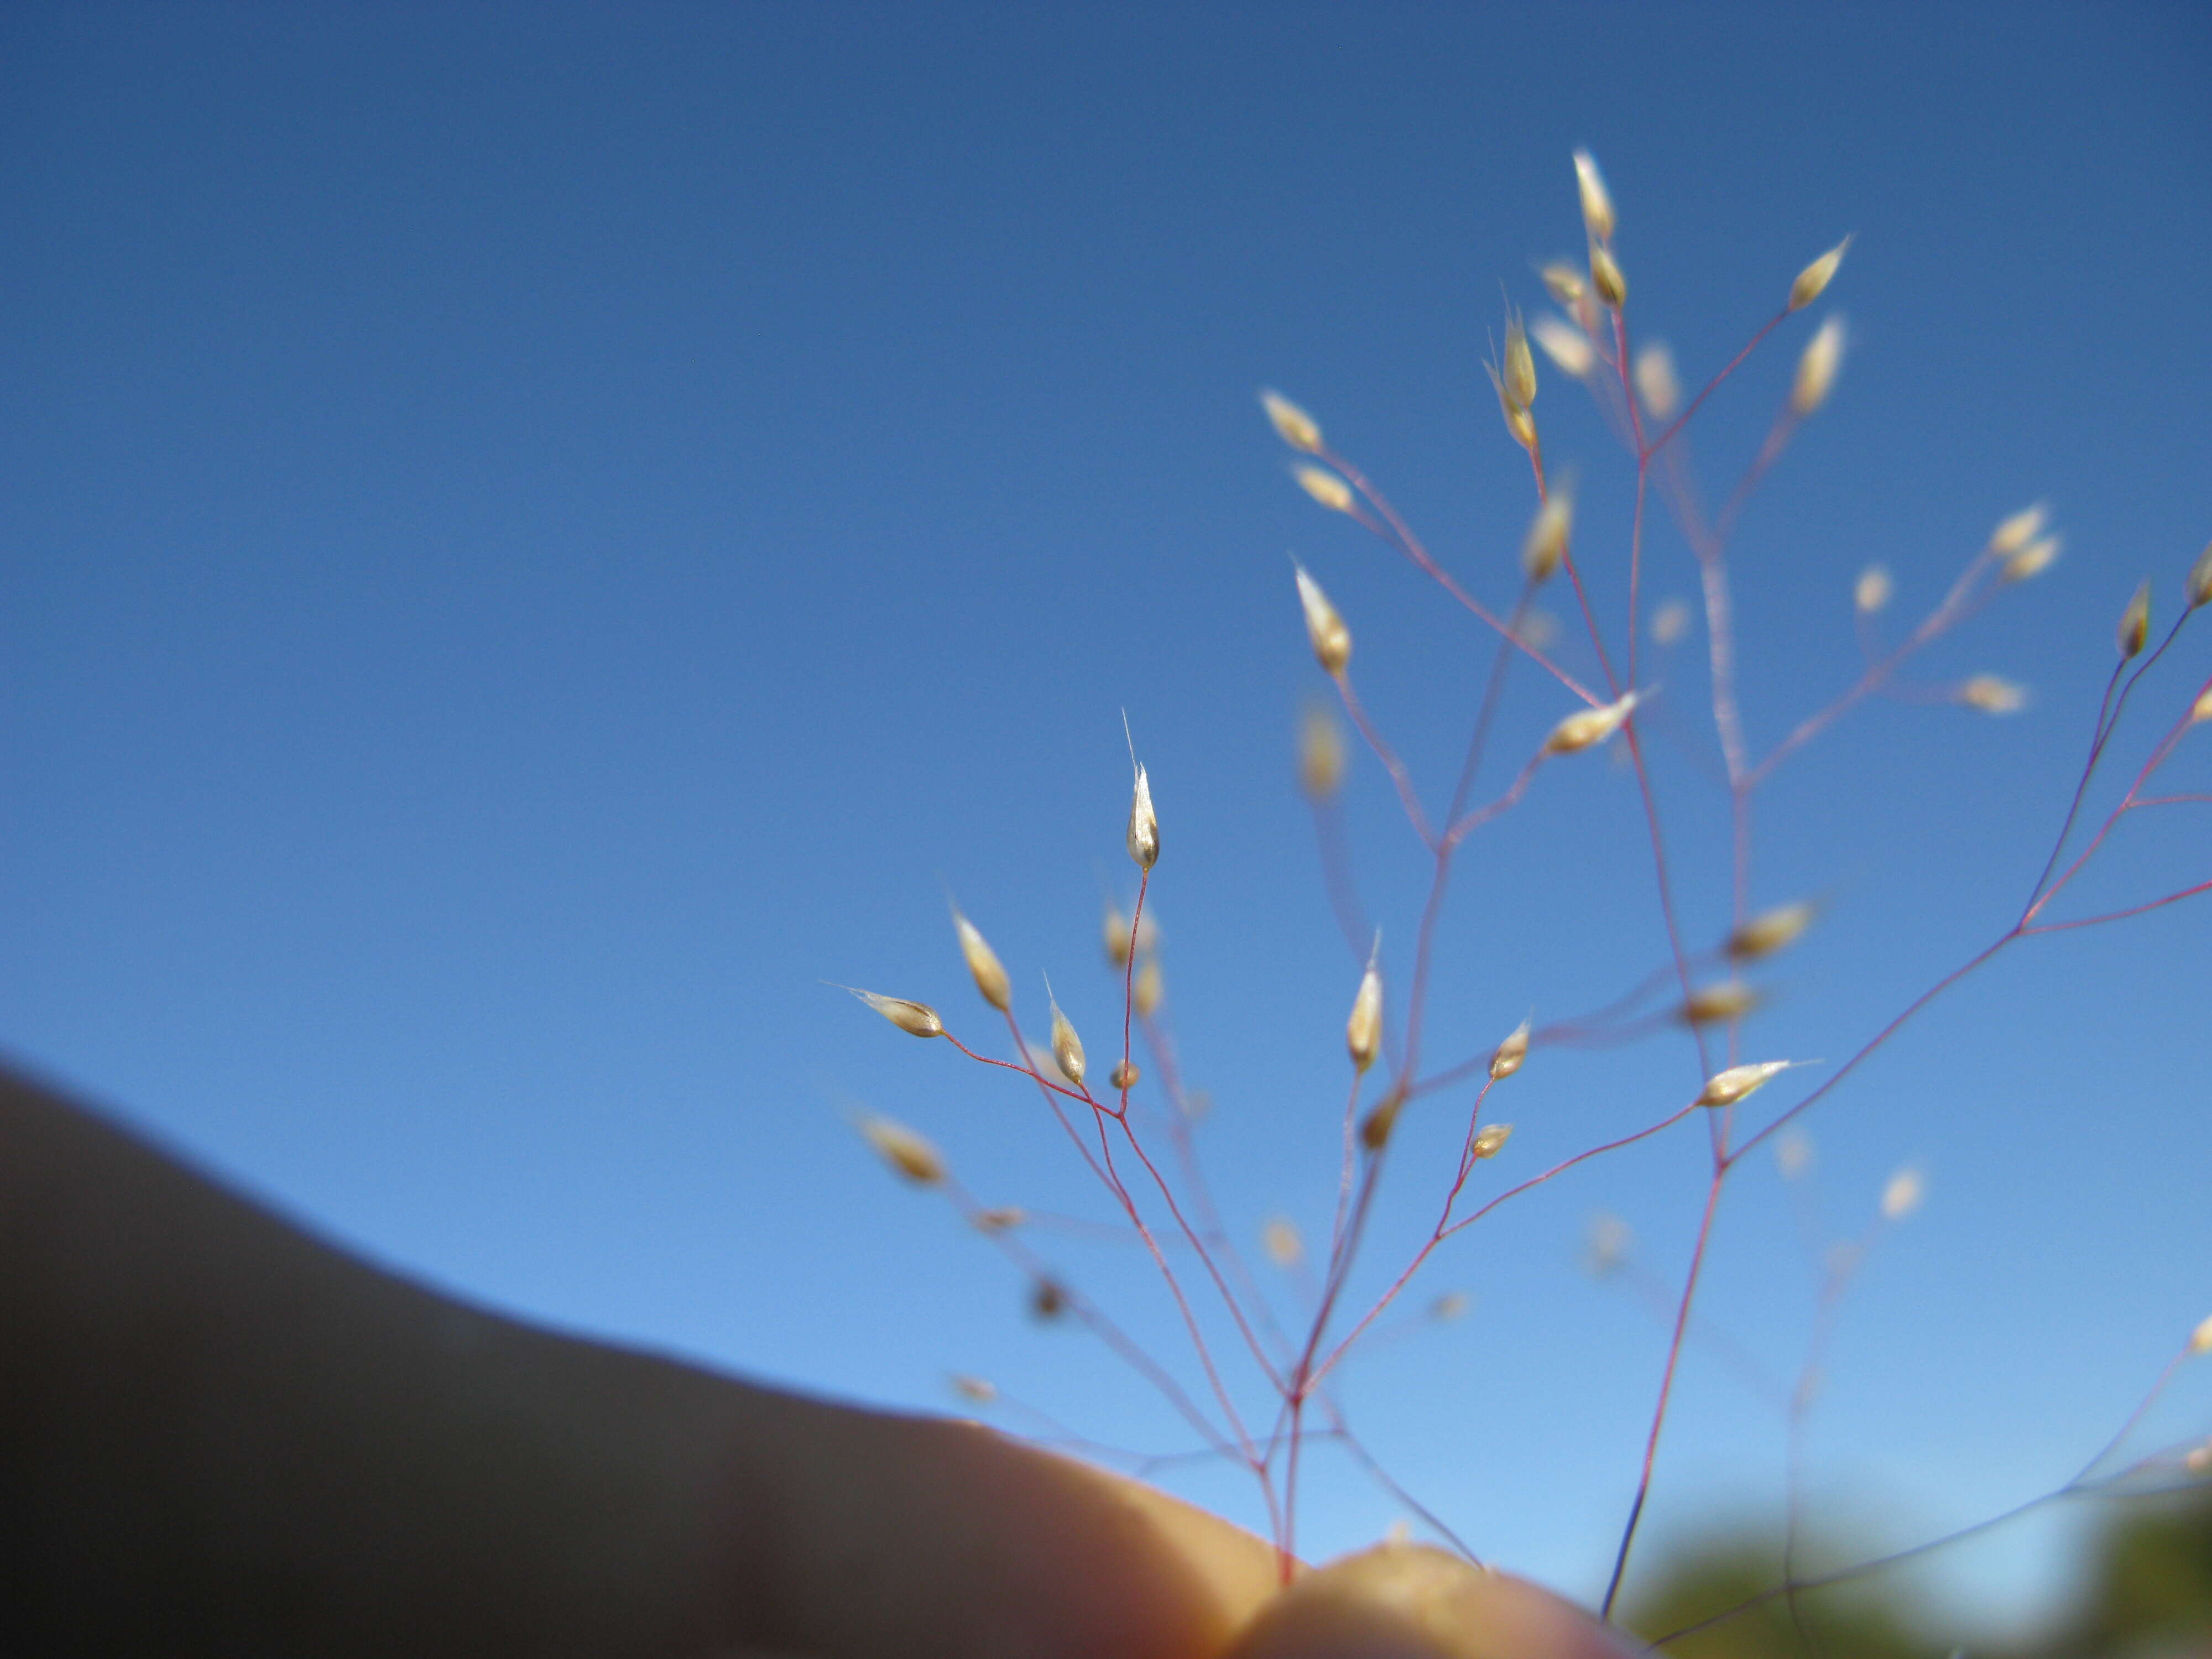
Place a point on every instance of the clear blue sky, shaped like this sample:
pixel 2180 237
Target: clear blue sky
pixel 532 537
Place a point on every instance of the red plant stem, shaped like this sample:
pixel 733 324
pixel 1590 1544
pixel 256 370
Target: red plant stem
pixel 1666 1388
pixel 1407 795
pixel 1697 402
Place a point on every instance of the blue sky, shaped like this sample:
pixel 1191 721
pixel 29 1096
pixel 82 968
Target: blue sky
pixel 534 538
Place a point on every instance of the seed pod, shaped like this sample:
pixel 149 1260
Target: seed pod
pixel 1816 276
pixel 1589 725
pixel 1117 936
pixel 1362 1032
pixel 1770 930
pixel 1048 1301
pixel 1066 1047
pixel 1597 201
pixel 915 1018
pixel 1670 623
pixel 1726 1088
pixel 1518 421
pixel 1711 1004
pixel 1816 369
pixel 1519 370
pixel 1507 1058
pixel 2018 530
pixel 1124 1076
pixel 983 963
pixel 1325 487
pixel 1656 385
pixel 1144 825
pixel 1280 1238
pixel 1144 994
pixel 1567 346
pixel 1564 282
pixel 1872 591
pixel 1992 695
pixel 1546 545
pixel 2134 631
pixel 1331 639
pixel 1490 1140
pixel 1293 424
pixel 2198 586
pixel 2201 710
pixel 1606 276
pixel 1375 1129
pixel 1902 1196
pixel 2031 560
pixel 974 1389
pixel 2200 1340
pixel 1321 753
pixel 910 1156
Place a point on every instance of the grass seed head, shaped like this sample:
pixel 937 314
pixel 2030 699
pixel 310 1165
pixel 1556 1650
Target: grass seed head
pixel 974 1389
pixel 1519 370
pixel 1728 1087
pixel 1144 825
pixel 2201 710
pixel 910 1156
pixel 1375 1129
pixel 2200 1340
pixel 2134 631
pixel 1293 424
pixel 1607 278
pixel 1992 695
pixel 1331 639
pixel 2031 561
pixel 1816 276
pixel 1280 1238
pixel 1656 382
pixel 1563 282
pixel 915 1018
pixel 983 962
pixel 1587 727
pixel 1518 421
pixel 1874 590
pixel 1816 369
pixel 1048 1300
pixel 1363 1032
pixel 1066 1047
pixel 1117 935
pixel 1144 994
pixel 1545 547
pixel 1451 1305
pixel 1324 486
pixel 1771 930
pixel 1902 1194
pixel 1124 1076
pixel 1510 1056
pixel 1597 201
pixel 1670 623
pixel 1321 753
pixel 2018 530
pixel 1490 1140
pixel 1709 1005
pixel 1567 346
pixel 2198 586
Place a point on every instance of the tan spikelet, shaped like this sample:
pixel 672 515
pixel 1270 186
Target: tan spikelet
pixel 1325 629
pixel 1711 1004
pixel 1544 548
pixel 983 962
pixel 1816 369
pixel 1670 623
pixel 1325 487
pixel 1816 276
pixel 1375 1129
pixel 1509 1056
pixel 1066 1047
pixel 1124 1075
pixel 1321 753
pixel 1771 930
pixel 1490 1140
pixel 1903 1194
pixel 1872 591
pixel 2018 530
pixel 2197 586
pixel 915 1018
pixel 1293 424
pixel 2134 631
pixel 1145 993
pixel 1280 1238
pixel 908 1155
pixel 2031 561
pixel 1597 201
pixel 1992 695
pixel 2201 710
pixel 2200 1340
pixel 1115 934
pixel 1520 368
pixel 1144 825
pixel 1728 1087
pixel 1363 1032
pixel 1567 346
pixel 1589 726
pixel 1657 386
pixel 1563 282
pixel 1607 276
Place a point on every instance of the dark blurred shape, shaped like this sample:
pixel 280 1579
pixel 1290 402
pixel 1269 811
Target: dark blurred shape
pixel 2152 1594
pixel 1706 1579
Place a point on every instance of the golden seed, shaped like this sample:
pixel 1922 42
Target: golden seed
pixel 1490 1140
pixel 1564 283
pixel 1448 1306
pixel 974 1389
pixel 2032 560
pixel 1362 1032
pixel 1325 629
pixel 2134 631
pixel 1992 695
pixel 915 1018
pixel 983 962
pixel 1816 369
pixel 1902 1196
pixel 1606 276
pixel 1771 930
pixel 2198 586
pixel 1144 825
pixel 1566 345
pixel 1000 1219
pixel 1066 1047
pixel 2018 530
pixel 1597 201
pixel 1321 753
pixel 908 1155
pixel 1280 1238
pixel 1711 1004
pixel 1545 547
pixel 1124 1076
pixel 1520 373
pixel 1325 487
pixel 1656 383
pixel 1728 1087
pixel 1374 1130
pixel 1293 424
pixel 1580 729
pixel 2200 1340
pixel 1817 276
pixel 1144 994
pixel 1793 1154
pixel 1047 1300
pixel 1872 591
pixel 1117 935
pixel 1509 1056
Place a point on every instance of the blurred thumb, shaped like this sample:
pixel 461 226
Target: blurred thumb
pixel 1408 1602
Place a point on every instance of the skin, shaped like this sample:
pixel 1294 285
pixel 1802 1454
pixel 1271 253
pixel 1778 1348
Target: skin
pixel 219 1435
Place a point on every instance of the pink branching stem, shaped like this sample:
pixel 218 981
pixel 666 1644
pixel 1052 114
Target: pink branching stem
pixel 1711 386
pixel 2142 1409
pixel 1336 1354
pixel 2119 916
pixel 1344 1179
pixel 1097 1322
pixel 1660 1301
pixel 1337 878
pixel 1051 1091
pixel 1408 796
pixel 2169 800
pixel 1408 544
pixel 1666 1388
